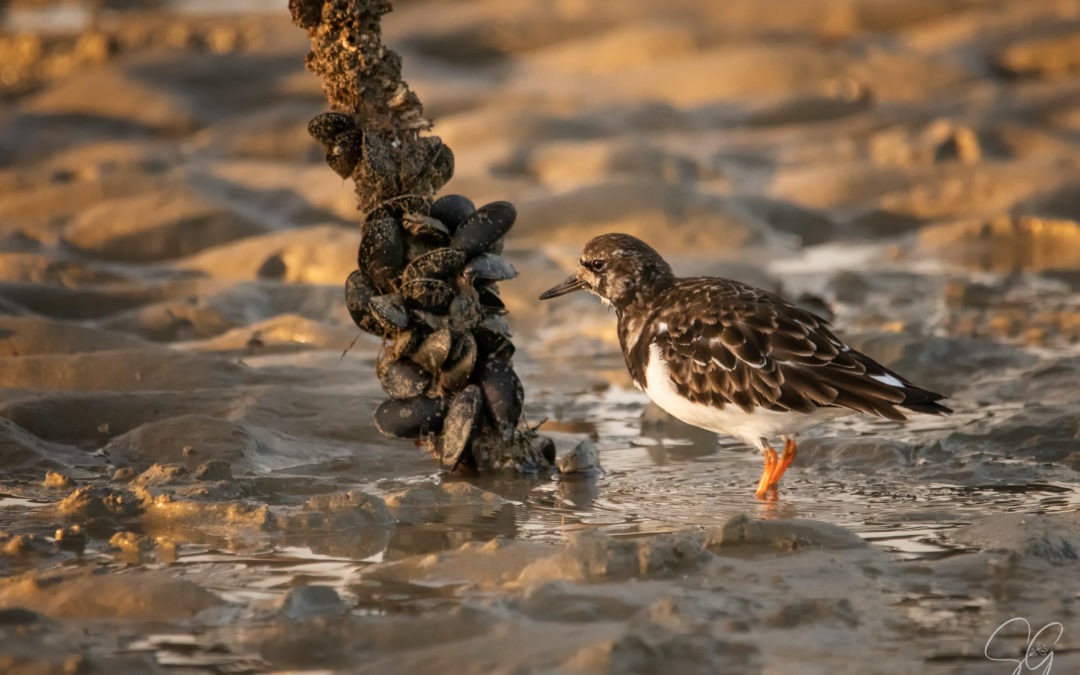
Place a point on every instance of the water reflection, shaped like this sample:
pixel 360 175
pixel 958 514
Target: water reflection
pixel 662 475
pixel 579 492
pixel 454 528
pixel 354 543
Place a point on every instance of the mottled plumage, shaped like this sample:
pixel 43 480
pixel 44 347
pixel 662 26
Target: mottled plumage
pixel 727 343
pixel 731 357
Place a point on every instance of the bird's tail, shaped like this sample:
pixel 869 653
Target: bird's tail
pixel 923 401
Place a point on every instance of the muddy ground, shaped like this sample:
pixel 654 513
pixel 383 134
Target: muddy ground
pixel 190 480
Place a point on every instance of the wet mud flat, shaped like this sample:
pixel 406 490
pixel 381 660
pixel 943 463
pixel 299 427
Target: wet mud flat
pixel 191 479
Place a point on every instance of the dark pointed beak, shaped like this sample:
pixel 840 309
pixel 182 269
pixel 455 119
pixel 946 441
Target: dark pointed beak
pixel 569 286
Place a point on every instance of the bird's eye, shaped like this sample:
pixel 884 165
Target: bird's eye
pixel 594 265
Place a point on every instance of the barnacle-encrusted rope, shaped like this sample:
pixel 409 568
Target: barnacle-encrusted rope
pixel 427 269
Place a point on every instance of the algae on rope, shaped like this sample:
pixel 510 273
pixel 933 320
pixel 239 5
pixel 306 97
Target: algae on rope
pixel 427 269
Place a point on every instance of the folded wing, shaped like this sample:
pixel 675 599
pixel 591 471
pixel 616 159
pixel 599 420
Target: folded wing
pixel 753 349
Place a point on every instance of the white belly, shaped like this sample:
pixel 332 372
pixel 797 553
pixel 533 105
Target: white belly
pixel 732 420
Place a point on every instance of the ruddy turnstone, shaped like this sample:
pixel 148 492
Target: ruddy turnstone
pixel 725 356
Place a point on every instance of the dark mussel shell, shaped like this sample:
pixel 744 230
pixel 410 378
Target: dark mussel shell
pixel 490 344
pixel 433 351
pixel 358 295
pixel 410 417
pixel 390 312
pixel 489 299
pixel 403 343
pixel 442 263
pixel 414 159
pixel 426 228
pixel 546 447
pixel 329 125
pixel 379 163
pixel 429 321
pixel 428 294
pixel 452 210
pixel 343 154
pixel 382 252
pixel 402 378
pixel 416 247
pixel 459 362
pixel 490 267
pixel 427 159
pixel 464 311
pixel 461 418
pixel 398 207
pixel 484 227
pixel 442 166
pixel 503 394
pixel 497 324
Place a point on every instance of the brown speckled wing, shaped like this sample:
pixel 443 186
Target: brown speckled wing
pixel 729 343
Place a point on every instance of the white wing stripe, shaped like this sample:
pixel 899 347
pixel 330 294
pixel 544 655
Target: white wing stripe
pixel 888 379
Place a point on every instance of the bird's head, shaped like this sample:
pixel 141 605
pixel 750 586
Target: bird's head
pixel 618 268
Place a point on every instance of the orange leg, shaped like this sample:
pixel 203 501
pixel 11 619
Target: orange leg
pixel 790 450
pixel 771 462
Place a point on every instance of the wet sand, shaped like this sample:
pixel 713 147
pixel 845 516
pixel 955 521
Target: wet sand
pixel 191 480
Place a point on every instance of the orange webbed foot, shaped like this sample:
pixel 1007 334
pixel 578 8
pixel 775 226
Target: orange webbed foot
pixel 767 489
pixel 788 456
pixel 766 484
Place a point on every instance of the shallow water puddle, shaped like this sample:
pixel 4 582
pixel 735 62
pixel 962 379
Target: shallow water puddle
pixel 679 478
pixel 913 543
pixel 13 501
pixel 246 578
pixel 655 481
pixel 186 650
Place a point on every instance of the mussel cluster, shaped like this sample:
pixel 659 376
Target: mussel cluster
pixel 389 179
pixel 428 269
pixel 427 283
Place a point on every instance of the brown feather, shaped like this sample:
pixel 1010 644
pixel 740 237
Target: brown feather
pixel 753 349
